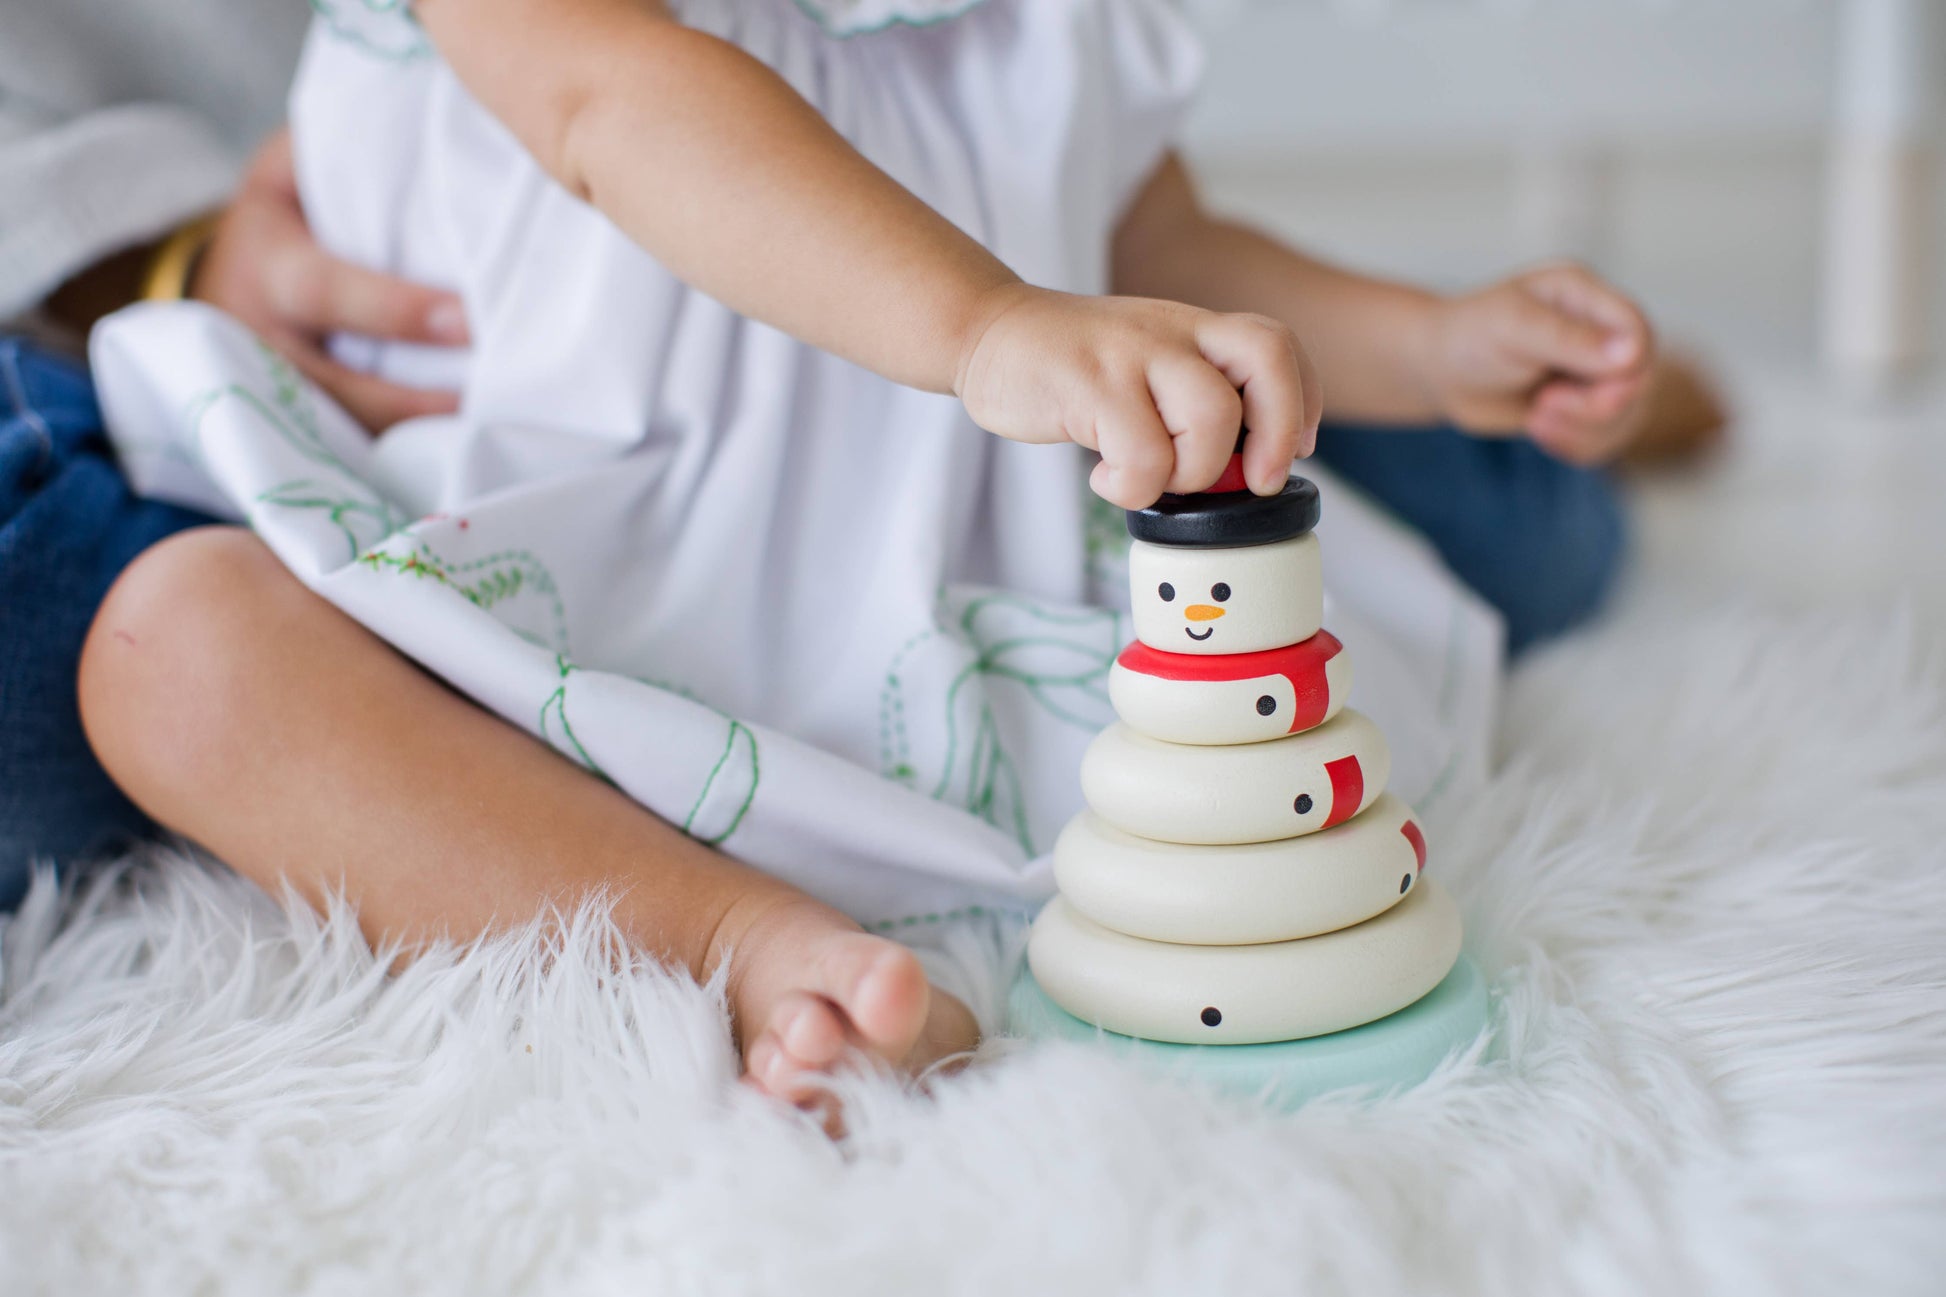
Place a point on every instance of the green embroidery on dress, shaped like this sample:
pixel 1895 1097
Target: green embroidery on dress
pixel 384 29
pixel 484 582
pixel 728 791
pixel 288 411
pixel 554 721
pixel 894 748
pixel 343 512
pixel 375 531
pixel 363 516
pixel 381 541
pixel 730 788
pixel 1017 912
pixel 818 13
pixel 993 790
pixel 1063 668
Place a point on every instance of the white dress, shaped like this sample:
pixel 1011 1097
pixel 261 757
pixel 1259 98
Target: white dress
pixel 813 617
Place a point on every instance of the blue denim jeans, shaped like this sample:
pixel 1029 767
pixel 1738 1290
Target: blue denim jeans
pixel 1538 539
pixel 68 525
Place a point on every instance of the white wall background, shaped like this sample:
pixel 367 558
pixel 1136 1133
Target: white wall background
pixel 1349 76
pixel 1681 145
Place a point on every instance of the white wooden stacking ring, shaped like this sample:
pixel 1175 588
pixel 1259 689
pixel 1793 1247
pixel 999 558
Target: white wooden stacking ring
pixel 1238 895
pixel 1255 792
pixel 1245 995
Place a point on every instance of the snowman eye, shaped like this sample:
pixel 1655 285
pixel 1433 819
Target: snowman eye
pixel 1167 591
pixel 1219 592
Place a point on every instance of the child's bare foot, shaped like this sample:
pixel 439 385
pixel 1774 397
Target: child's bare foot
pixel 1682 416
pixel 807 986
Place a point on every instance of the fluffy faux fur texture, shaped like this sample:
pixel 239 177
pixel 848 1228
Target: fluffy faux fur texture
pixel 1706 883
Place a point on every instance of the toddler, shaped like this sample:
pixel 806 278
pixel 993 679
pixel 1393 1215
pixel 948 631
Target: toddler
pixel 717 519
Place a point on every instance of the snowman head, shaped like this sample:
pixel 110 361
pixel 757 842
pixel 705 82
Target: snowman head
pixel 1226 600
pixel 1231 573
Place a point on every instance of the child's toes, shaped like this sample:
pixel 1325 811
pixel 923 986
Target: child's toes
pixel 766 1065
pixel 811 1030
pixel 774 1070
pixel 881 988
pixel 805 1037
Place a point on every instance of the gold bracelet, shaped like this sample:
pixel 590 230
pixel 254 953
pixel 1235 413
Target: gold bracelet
pixel 167 276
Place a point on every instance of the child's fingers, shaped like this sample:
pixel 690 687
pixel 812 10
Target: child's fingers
pixel 1581 444
pixel 313 291
pixel 1575 291
pixel 1137 455
pixel 1597 402
pixel 1202 413
pixel 1583 423
pixel 1307 374
pixel 1267 460
pixel 1281 398
pixel 1579 290
pixel 371 400
pixel 1550 338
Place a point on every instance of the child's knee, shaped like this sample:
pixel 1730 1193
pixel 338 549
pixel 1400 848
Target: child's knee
pixel 169 658
pixel 1538 539
pixel 1575 538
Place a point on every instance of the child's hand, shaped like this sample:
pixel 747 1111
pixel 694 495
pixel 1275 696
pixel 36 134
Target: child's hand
pixel 1158 388
pixel 264 266
pixel 1556 352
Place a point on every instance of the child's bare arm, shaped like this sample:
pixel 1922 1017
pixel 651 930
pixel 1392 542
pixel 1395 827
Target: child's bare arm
pixel 1363 334
pixel 709 160
pixel 717 167
pixel 1555 352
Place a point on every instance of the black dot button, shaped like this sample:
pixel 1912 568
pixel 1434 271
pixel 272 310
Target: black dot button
pixel 1303 803
pixel 1212 1017
pixel 1266 705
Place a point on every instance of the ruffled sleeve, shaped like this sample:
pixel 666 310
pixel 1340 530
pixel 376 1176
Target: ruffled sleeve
pixel 859 17
pixel 1151 57
pixel 382 29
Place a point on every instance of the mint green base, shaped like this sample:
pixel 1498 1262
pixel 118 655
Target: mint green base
pixel 1391 1054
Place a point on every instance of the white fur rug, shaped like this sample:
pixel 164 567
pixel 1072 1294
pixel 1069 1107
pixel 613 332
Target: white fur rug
pixel 1707 884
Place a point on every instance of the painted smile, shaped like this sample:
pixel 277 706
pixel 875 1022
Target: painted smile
pixel 1199 638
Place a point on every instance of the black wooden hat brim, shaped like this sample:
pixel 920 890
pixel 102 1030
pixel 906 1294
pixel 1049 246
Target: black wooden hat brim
pixel 1230 520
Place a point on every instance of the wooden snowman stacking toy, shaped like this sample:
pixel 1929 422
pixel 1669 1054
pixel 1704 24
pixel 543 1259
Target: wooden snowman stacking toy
pixel 1241 877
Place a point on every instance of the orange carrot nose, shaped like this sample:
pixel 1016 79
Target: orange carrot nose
pixel 1202 612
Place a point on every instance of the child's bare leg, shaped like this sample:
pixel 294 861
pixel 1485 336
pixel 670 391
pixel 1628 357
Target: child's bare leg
pixel 241 710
